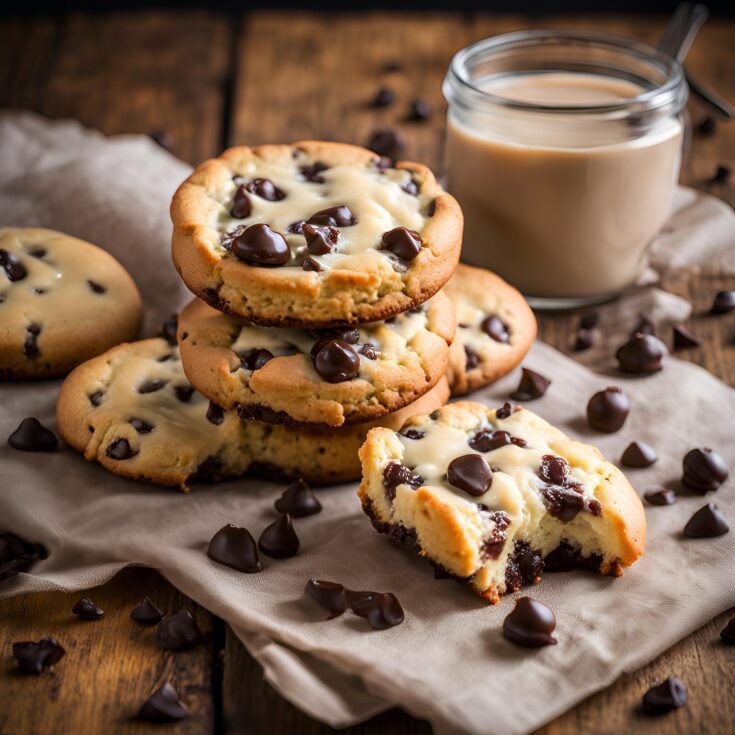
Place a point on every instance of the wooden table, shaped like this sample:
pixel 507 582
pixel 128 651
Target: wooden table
pixel 205 81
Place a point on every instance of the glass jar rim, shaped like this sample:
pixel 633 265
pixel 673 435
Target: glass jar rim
pixel 662 95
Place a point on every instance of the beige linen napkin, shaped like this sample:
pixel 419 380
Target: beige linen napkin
pixel 447 662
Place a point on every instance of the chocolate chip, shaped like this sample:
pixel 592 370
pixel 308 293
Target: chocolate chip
pixel 387 142
pixel 151 386
pixel 265 189
pixel 664 496
pixel 530 624
pixel 168 331
pixel 683 338
pixel 503 412
pixel 472 359
pixel 163 706
pixel 215 414
pixel 14 269
pixel 184 392
pixel 310 264
pixel 32 436
pixel 419 110
pixel 721 174
pixel 178 632
pixel 337 361
pixel 235 547
pixel 554 470
pixel 339 216
pixel 395 474
pixel 584 340
pixel 402 242
pixel 495 329
pixel 704 470
pixel 369 351
pixel 38 252
pixel 638 454
pixel 298 500
pixel 255 358
pixel 589 320
pixel 96 287
pixel 30 346
pixel 351 335
pixel 260 245
pixel 724 302
pixel 141 426
pixel 87 609
pixel 727 634
pixel 320 240
pixel 413 434
pixel 707 127
pixel 384 97
pixel 642 354
pixel 120 449
pixel 470 473
pixel 330 595
pixel 296 228
pixel 147 613
pixel 241 205
pixel 707 522
pixel 312 172
pixel 17 555
pixel 35 656
pixel 382 610
pixel 668 695
pixel 533 385
pixel 96 398
pixel 279 540
pixel 608 409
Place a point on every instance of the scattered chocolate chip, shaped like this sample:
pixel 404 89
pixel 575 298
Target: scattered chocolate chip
pixel 644 326
pixel 589 320
pixel 260 245
pixel 533 385
pixel 707 522
pixel 382 610
pixel 119 449
pixel 298 500
pixel 184 392
pixel 168 330
pixel 664 496
pixel 163 706
pixel 608 409
pixel 235 547
pixel 724 302
pixel 17 555
pixel 683 338
pixel 707 127
pixel 313 172
pixel 721 174
pixel 32 436
pixel 584 340
pixel 178 632
pixel 265 189
pixel 494 328
pixel 387 142
pixel 151 386
pixel 413 434
pixel 30 346
pixel 310 264
pixel 470 473
pixel 215 414
pixel 668 695
pixel 279 540
pixel 14 269
pixel 727 634
pixel 704 470
pixel 330 595
pixel 384 97
pixel 96 287
pixel 241 205
pixel 339 216
pixel 320 240
pixel 503 412
pixel 530 624
pixel 337 361
pixel 638 454
pixel 369 351
pixel 147 613
pixel 642 354
pixel 419 110
pixel 96 398
pixel 402 242
pixel 472 359
pixel 35 656
pixel 255 358
pixel 395 474
pixel 87 609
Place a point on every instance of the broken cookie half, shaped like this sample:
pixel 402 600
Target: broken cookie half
pixel 494 497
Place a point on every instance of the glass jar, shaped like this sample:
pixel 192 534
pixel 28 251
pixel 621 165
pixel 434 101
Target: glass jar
pixel 563 150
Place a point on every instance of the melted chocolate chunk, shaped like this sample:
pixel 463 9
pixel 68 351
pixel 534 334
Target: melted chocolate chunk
pixel 395 474
pixel 235 547
pixel 320 240
pixel 562 496
pixel 384 97
pixel 151 386
pixel 241 205
pixel 265 189
pixel 298 500
pixel 163 706
pixel 296 228
pixel 503 412
pixel 178 632
pixel 533 385
pixel 492 544
pixel 413 434
pixel 724 302
pixel 387 142
pixel 369 351
pixel 642 354
pixel 470 473
pixel 96 287
pixel 119 449
pixel 339 216
pixel 584 340
pixel 14 269
pixel 35 656
pixel 670 694
pixel 402 242
pixel 87 609
pixel 419 110
pixel 486 440
pixel 664 496
pixel 608 409
pixel 530 624
pixel 704 470
pixel 330 595
pixel 215 414
pixel 30 346
pixel 683 338
pixel 312 172
pixel 707 522
pixel 96 398
pixel 17 555
pixel 554 470
pixel 727 634
pixel 260 245
pixel 142 427
pixel 382 610
pixel 33 436
pixel 472 359
pixel 337 361
pixel 309 264
pixel 147 613
pixel 254 359
pixel 168 331
pixel 494 328
pixel 279 540
pixel 638 454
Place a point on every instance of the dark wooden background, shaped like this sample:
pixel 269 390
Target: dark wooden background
pixel 204 81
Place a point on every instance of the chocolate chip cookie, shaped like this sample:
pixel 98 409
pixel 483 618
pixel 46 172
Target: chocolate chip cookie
pixel 62 300
pixel 293 376
pixel 495 329
pixel 133 411
pixel 494 497
pixel 313 234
